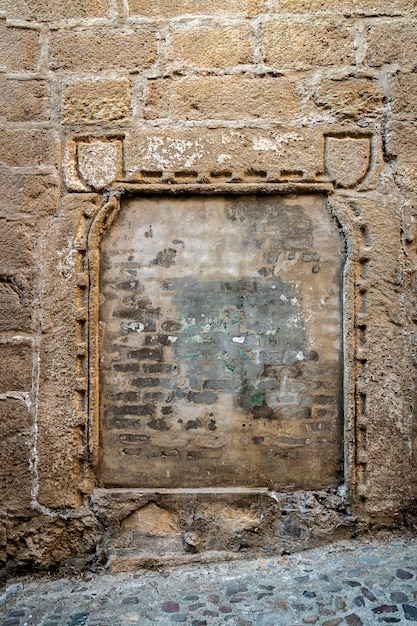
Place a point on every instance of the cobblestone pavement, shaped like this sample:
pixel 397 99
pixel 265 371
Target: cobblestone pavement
pixel 365 581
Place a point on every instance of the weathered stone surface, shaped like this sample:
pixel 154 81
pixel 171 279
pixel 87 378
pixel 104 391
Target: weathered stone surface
pixel 171 8
pixel 350 97
pixel 222 97
pixel 402 141
pixel 14 417
pixel 388 43
pixel 346 7
pixel 403 89
pixel 152 520
pixel 41 11
pixel 101 49
pixel 99 162
pixel 15 474
pixel 209 45
pixel 225 153
pixel 347 159
pixel 95 102
pixel 16 303
pixel 16 255
pixel 23 148
pixel 15 367
pixel 19 48
pixel 24 100
pixel 23 196
pixel 288 43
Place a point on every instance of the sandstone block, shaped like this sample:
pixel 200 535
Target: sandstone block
pixel 22 148
pixel 16 300
pixel 15 367
pixel 210 46
pixel 16 255
pixel 299 45
pixel 346 7
pixel 402 141
pixel 101 49
pixel 95 102
pixel 24 100
pixel 15 476
pixel 25 195
pixel 58 10
pixel 404 95
pixel 14 417
pixel 350 98
pixel 391 42
pixel 19 47
pixel 222 97
pixel 171 8
pixel 223 153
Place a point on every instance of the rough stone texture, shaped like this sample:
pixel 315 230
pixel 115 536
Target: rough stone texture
pixel 14 417
pixel 222 97
pixel 347 159
pixel 41 11
pixel 403 87
pixel 103 101
pixel 350 97
pixel 29 147
pixel 300 45
pixel 19 48
pixel 25 100
pixel 99 162
pixel 226 153
pixel 388 43
pixel 15 474
pixel 15 368
pixel 95 102
pixel 27 196
pixel 346 7
pixel 172 8
pixel 96 50
pixel 210 46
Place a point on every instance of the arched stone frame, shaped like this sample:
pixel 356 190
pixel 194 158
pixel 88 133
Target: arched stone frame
pixel 353 325
pixel 377 424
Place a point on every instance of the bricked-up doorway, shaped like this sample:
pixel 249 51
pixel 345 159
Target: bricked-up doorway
pixel 220 343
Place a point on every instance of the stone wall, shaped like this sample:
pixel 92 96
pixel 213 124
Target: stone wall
pixel 108 102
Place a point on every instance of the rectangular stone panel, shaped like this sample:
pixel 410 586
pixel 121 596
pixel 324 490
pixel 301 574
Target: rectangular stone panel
pixel 220 343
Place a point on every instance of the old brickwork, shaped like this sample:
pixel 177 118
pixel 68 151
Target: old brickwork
pixel 106 105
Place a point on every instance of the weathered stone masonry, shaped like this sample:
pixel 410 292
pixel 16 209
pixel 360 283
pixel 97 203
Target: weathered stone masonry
pixel 278 121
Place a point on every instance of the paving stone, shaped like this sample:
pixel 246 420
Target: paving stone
pixel 353 620
pixel 399 596
pixel 410 612
pixel 265 592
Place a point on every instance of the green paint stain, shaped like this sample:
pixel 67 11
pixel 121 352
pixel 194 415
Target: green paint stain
pixel 230 367
pixel 257 398
pixel 194 355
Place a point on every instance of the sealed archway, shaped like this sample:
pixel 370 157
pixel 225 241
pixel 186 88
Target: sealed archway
pixel 221 343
